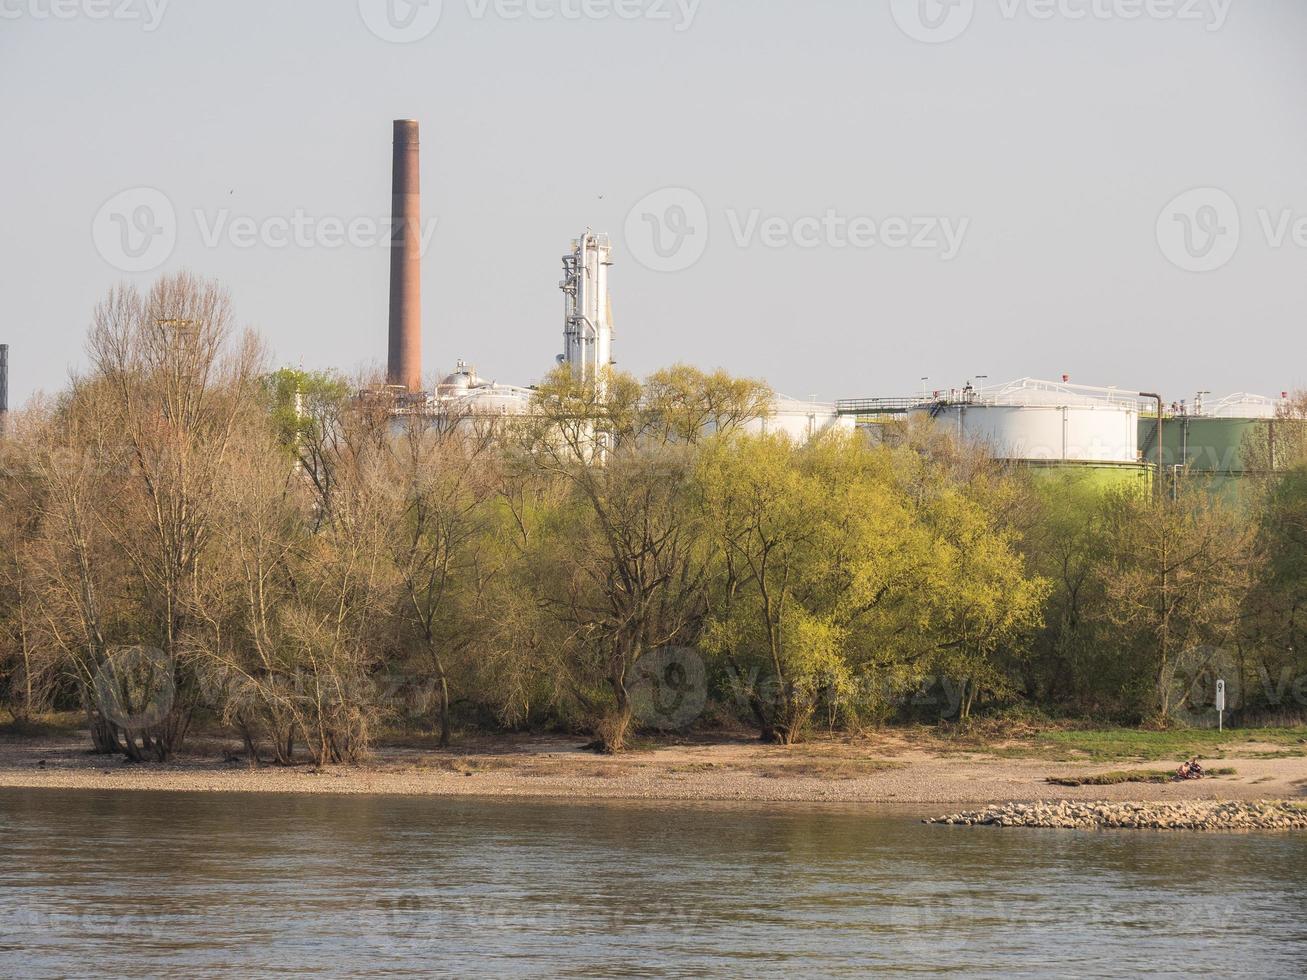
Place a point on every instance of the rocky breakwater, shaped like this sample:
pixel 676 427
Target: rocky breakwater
pixel 1195 815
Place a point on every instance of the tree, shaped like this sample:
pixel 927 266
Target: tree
pixel 78 585
pixel 1175 575
pixel 687 404
pixel 818 557
pixel 440 540
pixel 985 603
pixel 251 667
pixel 620 562
pixel 1274 624
pixel 27 671
pixel 1075 663
pixel 305 409
pixel 178 383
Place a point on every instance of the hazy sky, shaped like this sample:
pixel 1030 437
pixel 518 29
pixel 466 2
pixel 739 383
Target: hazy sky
pixel 847 195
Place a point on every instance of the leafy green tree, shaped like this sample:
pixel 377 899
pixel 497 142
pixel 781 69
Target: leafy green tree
pixel 986 605
pixel 687 404
pixel 816 563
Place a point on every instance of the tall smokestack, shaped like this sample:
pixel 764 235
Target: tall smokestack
pixel 404 367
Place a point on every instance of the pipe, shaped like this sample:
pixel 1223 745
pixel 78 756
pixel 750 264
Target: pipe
pixel 4 385
pixel 1160 458
pixel 404 363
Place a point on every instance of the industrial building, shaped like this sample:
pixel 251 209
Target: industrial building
pixel 587 323
pixel 1109 435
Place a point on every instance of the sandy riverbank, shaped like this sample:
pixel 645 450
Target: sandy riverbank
pixel 889 769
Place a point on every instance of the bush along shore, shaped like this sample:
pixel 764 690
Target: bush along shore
pixel 1195 815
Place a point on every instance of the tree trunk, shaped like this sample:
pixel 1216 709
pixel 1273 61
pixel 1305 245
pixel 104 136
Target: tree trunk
pixel 104 738
pixel 444 712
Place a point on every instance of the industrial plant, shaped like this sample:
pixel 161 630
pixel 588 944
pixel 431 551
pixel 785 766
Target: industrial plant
pixel 1105 433
pixel 587 323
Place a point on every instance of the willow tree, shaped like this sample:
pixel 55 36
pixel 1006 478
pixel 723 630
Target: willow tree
pixel 817 562
pixel 620 562
pixel 985 606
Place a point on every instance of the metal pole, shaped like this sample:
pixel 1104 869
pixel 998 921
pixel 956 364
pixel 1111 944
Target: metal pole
pixel 1158 398
pixel 4 384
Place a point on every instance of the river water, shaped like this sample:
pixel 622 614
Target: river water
pixel 119 883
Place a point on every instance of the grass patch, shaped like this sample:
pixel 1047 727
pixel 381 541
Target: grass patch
pixel 1134 744
pixel 816 768
pixel 63 723
pixel 1127 776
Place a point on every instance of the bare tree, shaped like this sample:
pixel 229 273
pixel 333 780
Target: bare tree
pixel 445 475
pixel 1175 574
pixel 178 384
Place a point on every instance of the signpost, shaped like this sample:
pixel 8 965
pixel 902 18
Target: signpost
pixel 1220 705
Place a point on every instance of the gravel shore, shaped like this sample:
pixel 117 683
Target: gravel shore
pixel 1105 815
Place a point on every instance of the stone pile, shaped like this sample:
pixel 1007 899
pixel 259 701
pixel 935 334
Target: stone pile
pixel 1191 815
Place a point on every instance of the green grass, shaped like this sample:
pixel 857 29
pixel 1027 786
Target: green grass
pixel 1128 776
pixel 1140 745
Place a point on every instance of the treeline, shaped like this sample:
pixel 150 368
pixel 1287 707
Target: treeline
pixel 185 535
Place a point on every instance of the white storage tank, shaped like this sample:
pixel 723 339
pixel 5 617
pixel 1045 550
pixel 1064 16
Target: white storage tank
pixel 1241 406
pixel 802 420
pixel 1044 421
pixel 464 393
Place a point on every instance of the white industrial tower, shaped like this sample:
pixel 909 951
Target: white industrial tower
pixel 588 327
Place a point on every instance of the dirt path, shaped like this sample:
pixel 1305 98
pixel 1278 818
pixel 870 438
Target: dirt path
pixel 884 770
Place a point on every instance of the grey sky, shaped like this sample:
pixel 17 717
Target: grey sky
pixel 1051 142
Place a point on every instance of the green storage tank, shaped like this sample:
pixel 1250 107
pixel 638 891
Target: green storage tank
pixel 1219 452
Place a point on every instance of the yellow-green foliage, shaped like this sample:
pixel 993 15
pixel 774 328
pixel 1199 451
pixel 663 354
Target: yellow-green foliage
pixel 845 571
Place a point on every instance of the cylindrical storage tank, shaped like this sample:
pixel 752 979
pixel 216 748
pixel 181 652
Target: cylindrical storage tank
pixel 800 420
pixel 1205 445
pixel 1044 424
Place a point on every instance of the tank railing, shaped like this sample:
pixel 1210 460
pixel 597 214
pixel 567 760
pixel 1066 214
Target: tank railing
pixel 1015 400
pixel 879 406
pixel 1010 394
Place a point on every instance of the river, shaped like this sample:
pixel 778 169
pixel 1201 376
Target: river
pixel 121 883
